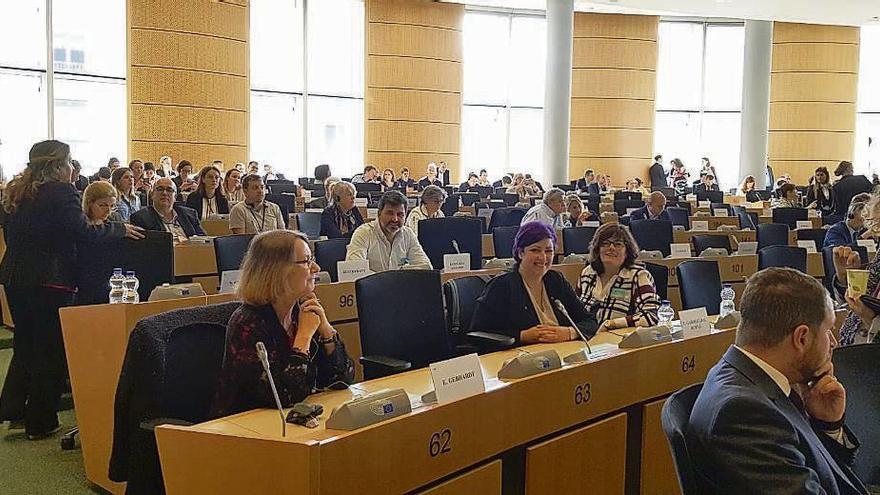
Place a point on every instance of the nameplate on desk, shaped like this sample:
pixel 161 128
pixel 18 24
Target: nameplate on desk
pixel 457 378
pixel 458 262
pixel 485 213
pixel 868 244
pixel 809 245
pixel 352 270
pixel 592 223
pixel 804 224
pixel 372 212
pixel 703 204
pixel 691 197
pixel 314 210
pixel 694 322
pixel 747 247
pixel 701 225
pixel 680 250
pixel 229 281
pixel 362 202
pixel 720 213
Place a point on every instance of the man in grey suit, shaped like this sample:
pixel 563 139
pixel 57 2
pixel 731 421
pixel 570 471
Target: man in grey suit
pixel 769 418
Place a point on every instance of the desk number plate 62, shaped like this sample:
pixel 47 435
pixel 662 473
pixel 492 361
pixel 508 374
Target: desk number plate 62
pixel 440 442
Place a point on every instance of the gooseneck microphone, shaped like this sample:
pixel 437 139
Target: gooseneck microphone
pixel 455 246
pixel 561 308
pixel 264 360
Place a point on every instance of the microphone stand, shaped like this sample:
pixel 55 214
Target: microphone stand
pixel 264 360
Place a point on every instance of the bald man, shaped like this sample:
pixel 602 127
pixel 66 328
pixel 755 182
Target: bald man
pixel 654 209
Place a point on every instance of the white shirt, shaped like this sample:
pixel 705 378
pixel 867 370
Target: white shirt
pixel 416 215
pixel 403 252
pixel 544 214
pixel 263 218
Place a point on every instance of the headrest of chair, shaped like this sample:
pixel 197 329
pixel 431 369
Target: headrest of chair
pixel 650 255
pixel 713 252
pixel 176 291
pixel 727 227
pixel 323 277
pixel 499 263
pixel 575 258
pixel 678 228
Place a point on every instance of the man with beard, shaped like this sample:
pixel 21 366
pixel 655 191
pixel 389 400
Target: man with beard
pixel 386 242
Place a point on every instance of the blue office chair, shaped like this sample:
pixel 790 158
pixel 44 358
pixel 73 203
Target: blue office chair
pixel 621 205
pixel 721 206
pixel 856 368
pixel 680 216
pixel 660 274
pixel 674 419
pixel 309 223
pixel 815 235
pixel 506 217
pixel 450 206
pixel 460 296
pixel 746 219
pixel 286 203
pixel 502 241
pixel 783 256
pixel 772 234
pixel 628 196
pixel 451 235
pixel 699 283
pixel 576 240
pixel 652 235
pixel 229 250
pixel 706 241
pixel 789 216
pixel 330 251
pixel 710 196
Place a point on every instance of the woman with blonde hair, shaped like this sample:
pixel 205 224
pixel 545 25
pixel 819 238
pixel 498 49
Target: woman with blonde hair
pixel 862 324
pixel 99 203
pixel 279 308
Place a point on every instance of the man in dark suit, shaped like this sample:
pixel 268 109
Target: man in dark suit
pixel 587 183
pixel 657 173
pixel 769 418
pixel 707 183
pixel 847 186
pixel 848 231
pixel 164 215
pixel 654 209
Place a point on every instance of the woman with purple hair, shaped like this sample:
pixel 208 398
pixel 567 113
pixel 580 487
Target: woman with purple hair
pixel 522 302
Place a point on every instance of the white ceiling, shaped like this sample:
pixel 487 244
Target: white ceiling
pixel 845 12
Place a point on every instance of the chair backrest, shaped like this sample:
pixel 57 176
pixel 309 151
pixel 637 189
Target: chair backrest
pixel 746 219
pixel 450 206
pixel 652 235
pixel 628 196
pixel 309 223
pixel 509 199
pixel 621 205
pixel 855 367
pixel 564 187
pixel 330 251
pixel 789 216
pixel 705 241
pixel 721 206
pixel 679 216
pixel 699 283
pixel 484 191
pixel 815 235
pixel 507 216
pixel 287 204
pixel 281 186
pixel 367 186
pixel 660 274
pixel 413 328
pixel 502 241
pixel 436 235
pixel 687 206
pixel 783 256
pixel 193 358
pixel 460 296
pixel 772 234
pixel 674 419
pixel 577 239
pixel 710 196
pixel 229 250
pixel 469 198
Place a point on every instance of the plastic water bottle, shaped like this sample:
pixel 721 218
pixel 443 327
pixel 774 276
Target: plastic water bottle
pixel 116 289
pixel 130 285
pixel 665 314
pixel 727 305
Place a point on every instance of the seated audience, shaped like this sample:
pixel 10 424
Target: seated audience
pixel 370 174
pixel 531 183
pixel 770 415
pixel 150 175
pixel 99 203
pixel 269 173
pixel 654 209
pixel 388 180
pixel 616 287
pixel 405 182
pixel 253 167
pixel 847 186
pixel 99 206
pixel 165 169
pixel 184 181
pixel 129 201
pixel 386 242
pixel 788 197
pixel 79 181
pixel 113 163
pixel 484 178
pixel 142 186
pixel 576 213
pixel 747 186
pixel 521 302
pixel 549 211
pixel 861 324
pixel 430 178
pixel 255 214
pixel 588 183
pixel 164 215
pixel 470 185
pixel 602 183
pixel 707 183
pixel 340 218
pixel 104 173
pixel 279 308
pixel 208 198
pixel 849 230
pixel 442 173
pixel 820 194
pixel 433 198
pixel 232 186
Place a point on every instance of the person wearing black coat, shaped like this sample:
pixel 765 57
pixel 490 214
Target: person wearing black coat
pixel 521 303
pixel 165 216
pixel 340 218
pixel 39 273
pixel 657 173
pixel 204 203
pixel 847 186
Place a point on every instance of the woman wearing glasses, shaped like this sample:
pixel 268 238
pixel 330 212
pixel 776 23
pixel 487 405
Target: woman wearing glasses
pixel 277 289
pixel 618 289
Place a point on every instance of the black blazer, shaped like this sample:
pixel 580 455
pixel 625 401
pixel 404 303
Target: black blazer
pixel 844 189
pixel 746 436
pixel 425 182
pixel 41 238
pixel 194 201
pixel 824 203
pixel 658 175
pixel 403 184
pixel 329 227
pixel 149 219
pixel 505 307
pixel 592 188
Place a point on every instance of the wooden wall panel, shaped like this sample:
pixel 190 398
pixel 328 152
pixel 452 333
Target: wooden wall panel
pixel 413 84
pixel 813 88
pixel 188 80
pixel 613 84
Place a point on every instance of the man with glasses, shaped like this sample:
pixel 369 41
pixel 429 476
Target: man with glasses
pixel 255 215
pixel 549 212
pixel 769 418
pixel 163 214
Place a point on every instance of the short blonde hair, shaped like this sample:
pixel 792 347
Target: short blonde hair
pixel 265 270
pixel 96 191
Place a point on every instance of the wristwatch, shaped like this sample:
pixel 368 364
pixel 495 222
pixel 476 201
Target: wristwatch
pixel 328 340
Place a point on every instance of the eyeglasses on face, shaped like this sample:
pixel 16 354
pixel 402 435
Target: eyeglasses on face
pixel 308 261
pixel 164 189
pixel 610 243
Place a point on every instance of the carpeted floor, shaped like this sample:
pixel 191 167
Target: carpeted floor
pixel 39 467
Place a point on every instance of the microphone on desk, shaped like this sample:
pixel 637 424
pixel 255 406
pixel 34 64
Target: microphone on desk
pixel 455 246
pixel 561 308
pixel 264 360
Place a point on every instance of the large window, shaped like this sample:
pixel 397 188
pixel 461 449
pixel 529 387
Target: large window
pixel 502 123
pixel 299 122
pixel 88 82
pixel 867 152
pixel 699 96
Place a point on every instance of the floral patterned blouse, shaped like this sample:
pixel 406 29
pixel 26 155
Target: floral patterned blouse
pixel 243 384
